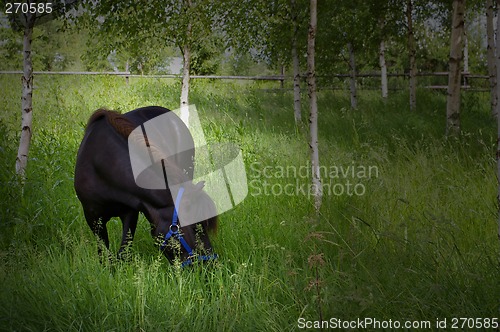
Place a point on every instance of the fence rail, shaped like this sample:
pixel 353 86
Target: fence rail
pixel 282 78
pixel 67 72
pixel 235 77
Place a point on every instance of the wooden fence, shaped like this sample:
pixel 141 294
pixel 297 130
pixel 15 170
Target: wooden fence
pixel 466 78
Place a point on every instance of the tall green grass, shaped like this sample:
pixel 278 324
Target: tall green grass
pixel 420 244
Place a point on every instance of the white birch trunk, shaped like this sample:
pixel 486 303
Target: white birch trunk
pixel 296 83
pixel 127 70
pixel 490 32
pixel 186 54
pixel 185 84
pixel 296 67
pixel 498 112
pixel 26 101
pixel 282 81
pixel 454 76
pixel 352 77
pixel 466 55
pixel 313 107
pixel 466 51
pixel 411 53
pixel 383 70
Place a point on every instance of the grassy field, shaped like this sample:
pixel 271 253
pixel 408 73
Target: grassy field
pixel 414 240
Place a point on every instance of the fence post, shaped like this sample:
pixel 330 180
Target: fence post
pixel 126 76
pixel 282 80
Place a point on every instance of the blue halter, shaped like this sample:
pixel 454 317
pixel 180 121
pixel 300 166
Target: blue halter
pixel 174 231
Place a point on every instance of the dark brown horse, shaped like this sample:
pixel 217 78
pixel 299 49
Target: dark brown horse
pixel 106 187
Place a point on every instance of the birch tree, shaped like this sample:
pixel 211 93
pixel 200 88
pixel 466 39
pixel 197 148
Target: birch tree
pixel 26 99
pixel 490 32
pixel 352 76
pixel 498 111
pixel 466 50
pixel 274 31
pixel 383 70
pixel 313 107
pixel 296 64
pixel 387 16
pixel 454 76
pixel 152 24
pixel 411 55
pixel 25 22
pixel 345 25
pixel 186 56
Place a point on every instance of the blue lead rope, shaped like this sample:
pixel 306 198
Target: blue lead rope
pixel 174 231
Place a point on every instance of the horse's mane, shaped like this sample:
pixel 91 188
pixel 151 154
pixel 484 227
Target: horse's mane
pixel 124 127
pixel 120 124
